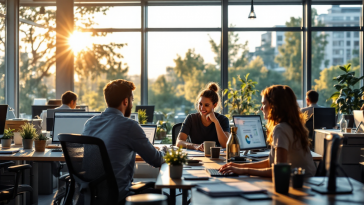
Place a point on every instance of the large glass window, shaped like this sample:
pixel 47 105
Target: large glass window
pixel 37 52
pixel 266 60
pixel 102 57
pixel 180 64
pixel 325 64
pixel 184 16
pixel 267 16
pixel 336 15
pixel 2 53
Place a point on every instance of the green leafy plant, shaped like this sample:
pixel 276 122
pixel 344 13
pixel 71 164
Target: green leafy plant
pixel 175 157
pixel 347 98
pixel 163 128
pixel 240 101
pixel 166 140
pixel 8 133
pixel 28 131
pixel 40 136
pixel 142 117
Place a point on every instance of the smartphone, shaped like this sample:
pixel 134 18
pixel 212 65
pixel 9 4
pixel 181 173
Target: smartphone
pixel 196 178
pixel 256 196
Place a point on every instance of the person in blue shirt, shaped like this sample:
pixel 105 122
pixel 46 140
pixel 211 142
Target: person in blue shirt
pixel 123 137
pixel 206 124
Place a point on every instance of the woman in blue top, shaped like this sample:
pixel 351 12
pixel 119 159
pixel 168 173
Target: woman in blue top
pixel 206 125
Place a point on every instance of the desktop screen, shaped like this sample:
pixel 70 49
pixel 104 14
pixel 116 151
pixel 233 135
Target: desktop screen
pixel 150 131
pixel 250 132
pixel 71 122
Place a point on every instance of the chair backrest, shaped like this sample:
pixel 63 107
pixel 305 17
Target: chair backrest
pixel 309 126
pixel 175 131
pixel 89 166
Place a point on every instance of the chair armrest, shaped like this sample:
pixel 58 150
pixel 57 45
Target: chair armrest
pixel 65 177
pixel 5 164
pixel 17 168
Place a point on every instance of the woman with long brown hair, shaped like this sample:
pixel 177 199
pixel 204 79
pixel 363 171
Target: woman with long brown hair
pixel 286 133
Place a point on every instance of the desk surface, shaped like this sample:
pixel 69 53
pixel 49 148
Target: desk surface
pixel 32 155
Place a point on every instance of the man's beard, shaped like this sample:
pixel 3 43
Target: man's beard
pixel 128 110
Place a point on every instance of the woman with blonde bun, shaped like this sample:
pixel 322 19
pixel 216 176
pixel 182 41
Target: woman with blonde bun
pixel 205 125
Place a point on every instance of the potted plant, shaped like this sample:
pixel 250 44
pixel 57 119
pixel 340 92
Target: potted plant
pixel 142 117
pixel 40 142
pixel 163 128
pixel 6 139
pixel 175 160
pixel 28 133
pixel 240 101
pixel 347 98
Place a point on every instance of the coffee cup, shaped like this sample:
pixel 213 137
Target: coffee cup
pixel 207 145
pixel 215 152
pixel 281 176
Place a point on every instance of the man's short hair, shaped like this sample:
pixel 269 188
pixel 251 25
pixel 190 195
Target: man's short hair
pixel 68 96
pixel 313 96
pixel 116 91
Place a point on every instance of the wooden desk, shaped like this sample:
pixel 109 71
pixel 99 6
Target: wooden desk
pixel 31 155
pixel 295 196
pixel 16 124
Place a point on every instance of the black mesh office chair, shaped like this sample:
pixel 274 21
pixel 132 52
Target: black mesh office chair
pixel 175 131
pixel 9 192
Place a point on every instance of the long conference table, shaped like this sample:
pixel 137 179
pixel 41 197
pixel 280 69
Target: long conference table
pixel 163 180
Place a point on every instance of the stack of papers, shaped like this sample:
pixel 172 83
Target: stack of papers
pixel 229 189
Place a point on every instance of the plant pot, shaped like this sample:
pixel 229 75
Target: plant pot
pixel 175 171
pixel 27 143
pixel 40 145
pixel 17 138
pixel 350 120
pixel 6 143
pixel 161 135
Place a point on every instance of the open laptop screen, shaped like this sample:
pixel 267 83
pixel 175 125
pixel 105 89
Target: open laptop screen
pixel 150 131
pixel 70 123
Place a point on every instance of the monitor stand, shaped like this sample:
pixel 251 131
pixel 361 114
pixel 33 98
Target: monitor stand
pixel 249 151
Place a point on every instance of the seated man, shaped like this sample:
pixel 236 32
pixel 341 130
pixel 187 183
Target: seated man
pixel 123 137
pixel 311 100
pixel 69 101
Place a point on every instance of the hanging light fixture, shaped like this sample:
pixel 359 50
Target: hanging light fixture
pixel 42 10
pixel 252 15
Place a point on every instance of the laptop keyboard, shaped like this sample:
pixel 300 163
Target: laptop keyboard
pixel 216 173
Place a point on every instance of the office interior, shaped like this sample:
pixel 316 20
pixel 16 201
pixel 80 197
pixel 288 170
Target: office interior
pixel 171 49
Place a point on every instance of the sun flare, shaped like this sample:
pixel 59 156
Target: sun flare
pixel 79 41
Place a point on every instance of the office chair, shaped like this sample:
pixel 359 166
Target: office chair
pixel 175 131
pixel 309 126
pixel 9 192
pixel 89 166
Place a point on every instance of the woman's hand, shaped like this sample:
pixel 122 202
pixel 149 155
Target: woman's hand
pixel 232 164
pixel 211 116
pixel 231 169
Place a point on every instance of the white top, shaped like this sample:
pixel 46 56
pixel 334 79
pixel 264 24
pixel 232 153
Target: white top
pixel 309 109
pixel 283 138
pixel 43 115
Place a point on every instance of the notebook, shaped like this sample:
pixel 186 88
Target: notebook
pixel 229 189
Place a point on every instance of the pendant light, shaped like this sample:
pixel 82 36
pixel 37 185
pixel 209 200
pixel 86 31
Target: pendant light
pixel 252 15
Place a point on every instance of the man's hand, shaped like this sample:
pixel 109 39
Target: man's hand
pixel 200 147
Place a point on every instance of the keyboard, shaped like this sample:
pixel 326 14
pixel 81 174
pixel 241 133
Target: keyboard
pixel 216 173
pixel 56 150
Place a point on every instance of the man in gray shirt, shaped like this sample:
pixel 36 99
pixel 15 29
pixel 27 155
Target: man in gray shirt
pixel 311 100
pixel 123 137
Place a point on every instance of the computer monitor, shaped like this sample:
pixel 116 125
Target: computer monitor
pixel 39 101
pixel 149 109
pixel 328 167
pixel 358 117
pixel 83 107
pixel 250 131
pixel 57 102
pixel 50 116
pixel 38 109
pixel 324 117
pixel 70 123
pixel 3 113
pixel 134 116
pixel 150 131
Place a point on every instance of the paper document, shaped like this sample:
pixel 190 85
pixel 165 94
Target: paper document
pixel 229 189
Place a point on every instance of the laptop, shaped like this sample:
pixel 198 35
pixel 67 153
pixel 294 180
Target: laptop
pixel 150 131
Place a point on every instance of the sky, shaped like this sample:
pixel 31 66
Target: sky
pixel 163 47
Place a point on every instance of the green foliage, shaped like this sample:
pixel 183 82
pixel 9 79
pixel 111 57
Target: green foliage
pixel 8 133
pixel 175 157
pixel 240 101
pixel 28 131
pixel 347 98
pixel 166 140
pixel 40 136
pixel 142 117
pixel 163 126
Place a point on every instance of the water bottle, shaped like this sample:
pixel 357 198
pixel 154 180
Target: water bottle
pixel 343 124
pixel 233 144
